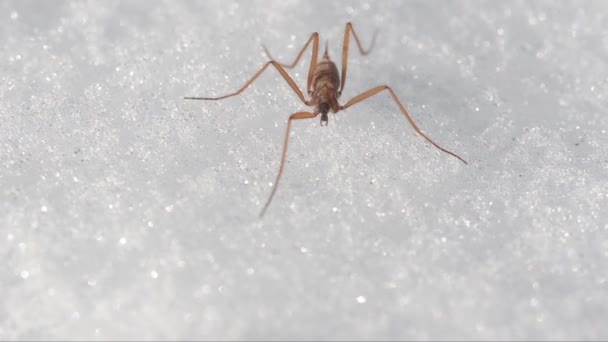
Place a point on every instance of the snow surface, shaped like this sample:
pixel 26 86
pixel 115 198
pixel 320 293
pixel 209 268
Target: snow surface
pixel 127 212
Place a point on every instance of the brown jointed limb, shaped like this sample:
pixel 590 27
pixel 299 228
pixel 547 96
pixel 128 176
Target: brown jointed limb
pixel 375 91
pixel 294 116
pixel 347 31
pixel 314 38
pixel 283 73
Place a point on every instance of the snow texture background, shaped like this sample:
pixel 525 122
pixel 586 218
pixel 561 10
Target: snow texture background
pixel 127 212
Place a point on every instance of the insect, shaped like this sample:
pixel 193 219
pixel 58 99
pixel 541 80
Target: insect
pixel 324 86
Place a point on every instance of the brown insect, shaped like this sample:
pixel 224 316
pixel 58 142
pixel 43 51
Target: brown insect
pixel 324 87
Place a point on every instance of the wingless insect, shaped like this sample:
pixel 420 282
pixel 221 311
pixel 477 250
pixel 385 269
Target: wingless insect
pixel 324 86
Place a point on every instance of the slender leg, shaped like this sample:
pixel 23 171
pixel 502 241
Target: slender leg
pixel 294 116
pixel 314 38
pixel 283 73
pixel 375 91
pixel 347 31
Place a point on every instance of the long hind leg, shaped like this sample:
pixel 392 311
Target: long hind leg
pixel 314 38
pixel 347 31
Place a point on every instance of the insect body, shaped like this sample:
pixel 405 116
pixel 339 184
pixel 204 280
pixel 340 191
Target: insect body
pixel 324 86
pixel 326 82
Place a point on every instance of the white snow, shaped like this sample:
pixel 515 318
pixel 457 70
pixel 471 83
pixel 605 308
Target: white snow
pixel 129 213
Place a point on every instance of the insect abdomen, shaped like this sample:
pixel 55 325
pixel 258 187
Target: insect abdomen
pixel 326 74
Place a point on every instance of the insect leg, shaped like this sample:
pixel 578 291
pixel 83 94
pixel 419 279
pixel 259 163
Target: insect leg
pixel 347 31
pixel 375 91
pixel 314 38
pixel 283 73
pixel 294 116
